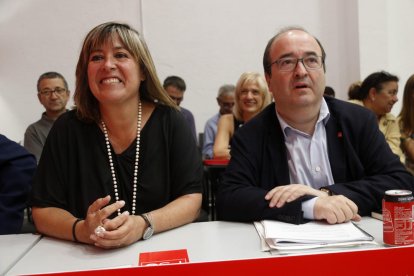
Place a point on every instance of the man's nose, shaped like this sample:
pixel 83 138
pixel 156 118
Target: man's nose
pixel 300 68
pixel 53 94
pixel 395 98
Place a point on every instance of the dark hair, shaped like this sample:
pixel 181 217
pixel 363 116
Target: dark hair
pixel 176 82
pixel 353 90
pixel 51 75
pixel 375 80
pixel 266 56
pixel 329 91
pixel 407 110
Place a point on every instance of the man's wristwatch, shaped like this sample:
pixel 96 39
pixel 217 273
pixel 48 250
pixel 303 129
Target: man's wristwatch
pixel 150 229
pixel 326 191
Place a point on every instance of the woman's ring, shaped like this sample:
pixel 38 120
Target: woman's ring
pixel 99 230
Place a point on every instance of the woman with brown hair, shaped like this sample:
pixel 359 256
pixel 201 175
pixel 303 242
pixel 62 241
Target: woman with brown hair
pixel 123 165
pixel 406 123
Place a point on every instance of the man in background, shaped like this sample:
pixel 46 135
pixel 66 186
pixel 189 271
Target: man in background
pixel 175 87
pixel 53 93
pixel 225 100
pixel 329 91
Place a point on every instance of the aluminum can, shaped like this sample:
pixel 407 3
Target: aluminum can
pixel 397 215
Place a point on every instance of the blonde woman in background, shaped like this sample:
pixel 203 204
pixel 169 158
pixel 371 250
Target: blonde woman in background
pixel 252 96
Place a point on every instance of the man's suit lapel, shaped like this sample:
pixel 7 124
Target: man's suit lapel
pixel 277 149
pixel 335 136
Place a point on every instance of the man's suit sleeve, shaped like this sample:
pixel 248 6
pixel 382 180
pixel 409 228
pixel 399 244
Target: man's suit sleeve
pixel 248 177
pixel 17 167
pixel 370 165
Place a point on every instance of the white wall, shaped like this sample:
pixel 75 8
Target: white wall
pixel 45 35
pixel 386 40
pixel 213 42
pixel 207 42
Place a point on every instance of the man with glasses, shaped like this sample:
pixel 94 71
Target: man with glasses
pixel 225 100
pixel 175 87
pixel 307 156
pixel 53 93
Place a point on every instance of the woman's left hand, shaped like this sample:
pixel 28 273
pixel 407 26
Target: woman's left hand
pixel 121 231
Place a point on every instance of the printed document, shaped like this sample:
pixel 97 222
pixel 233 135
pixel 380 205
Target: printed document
pixel 314 234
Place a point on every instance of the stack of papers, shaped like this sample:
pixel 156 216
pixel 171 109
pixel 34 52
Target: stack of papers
pixel 315 234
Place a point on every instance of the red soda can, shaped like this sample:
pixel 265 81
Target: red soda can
pixel 397 217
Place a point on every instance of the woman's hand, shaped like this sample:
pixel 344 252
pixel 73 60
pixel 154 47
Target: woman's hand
pixel 121 231
pixel 98 217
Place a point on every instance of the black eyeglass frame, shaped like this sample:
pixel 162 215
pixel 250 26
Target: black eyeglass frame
pixel 296 61
pixel 57 90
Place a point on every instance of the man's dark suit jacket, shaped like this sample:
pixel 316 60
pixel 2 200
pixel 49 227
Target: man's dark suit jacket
pixel 17 167
pixel 362 164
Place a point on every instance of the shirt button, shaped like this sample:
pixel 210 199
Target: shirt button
pixel 318 169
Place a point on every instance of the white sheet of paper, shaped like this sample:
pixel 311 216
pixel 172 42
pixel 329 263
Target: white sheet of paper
pixel 314 232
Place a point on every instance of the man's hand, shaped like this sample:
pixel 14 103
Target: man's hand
pixel 284 194
pixel 336 209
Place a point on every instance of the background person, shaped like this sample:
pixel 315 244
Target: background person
pixel 175 87
pixel 353 90
pixel 123 165
pixel 329 91
pixel 17 167
pixel 306 156
pixel 406 124
pixel 225 100
pixel 53 93
pixel 378 93
pixel 252 96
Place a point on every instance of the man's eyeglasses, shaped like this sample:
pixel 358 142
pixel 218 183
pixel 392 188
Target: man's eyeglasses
pixel 227 104
pixel 288 64
pixel 48 92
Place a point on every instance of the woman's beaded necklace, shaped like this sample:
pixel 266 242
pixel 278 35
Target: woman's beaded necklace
pixel 111 164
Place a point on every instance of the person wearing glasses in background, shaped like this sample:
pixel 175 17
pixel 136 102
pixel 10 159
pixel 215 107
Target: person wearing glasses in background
pixel 307 156
pixel 225 99
pixel 53 93
pixel 175 87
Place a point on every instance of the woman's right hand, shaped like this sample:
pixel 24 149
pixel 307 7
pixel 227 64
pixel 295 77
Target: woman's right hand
pixel 97 215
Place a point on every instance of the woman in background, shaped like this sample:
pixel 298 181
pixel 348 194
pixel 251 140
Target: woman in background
pixel 124 164
pixel 378 93
pixel 406 123
pixel 252 96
